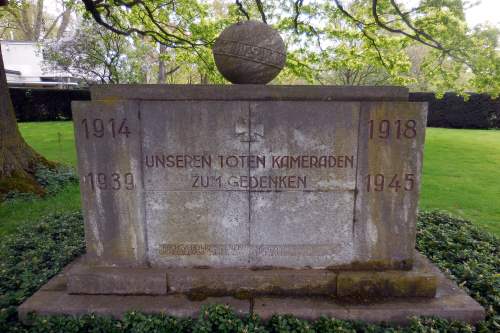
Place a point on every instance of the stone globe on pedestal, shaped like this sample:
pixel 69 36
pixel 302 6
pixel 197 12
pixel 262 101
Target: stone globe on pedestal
pixel 249 52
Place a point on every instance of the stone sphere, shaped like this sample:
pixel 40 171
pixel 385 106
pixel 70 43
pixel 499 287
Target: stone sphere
pixel 249 52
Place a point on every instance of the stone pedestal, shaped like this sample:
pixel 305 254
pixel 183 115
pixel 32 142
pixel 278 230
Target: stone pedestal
pixel 193 193
pixel 184 295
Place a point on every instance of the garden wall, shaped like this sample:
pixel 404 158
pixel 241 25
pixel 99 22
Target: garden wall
pixel 480 111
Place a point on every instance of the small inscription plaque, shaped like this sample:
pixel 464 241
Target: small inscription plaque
pixel 240 183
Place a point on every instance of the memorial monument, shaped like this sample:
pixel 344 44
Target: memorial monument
pixel 272 199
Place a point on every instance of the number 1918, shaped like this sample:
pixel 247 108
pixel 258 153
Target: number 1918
pixel 399 129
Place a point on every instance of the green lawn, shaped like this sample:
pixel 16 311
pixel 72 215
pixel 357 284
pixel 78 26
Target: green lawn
pixel 461 174
pixel 55 141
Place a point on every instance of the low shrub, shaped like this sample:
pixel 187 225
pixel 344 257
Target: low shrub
pixel 39 104
pixel 51 179
pixel 33 255
pixel 39 251
pixel 452 111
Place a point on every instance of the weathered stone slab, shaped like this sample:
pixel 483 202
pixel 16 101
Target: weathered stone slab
pixel 182 141
pixel 450 302
pixel 249 92
pixel 308 221
pixel 46 303
pixel 368 285
pixel 391 139
pixel 244 183
pixel 109 165
pixel 247 283
pixel 240 282
pixel 188 228
pixel 85 279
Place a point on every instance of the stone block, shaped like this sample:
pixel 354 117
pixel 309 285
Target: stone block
pixel 245 283
pixel 450 303
pixel 369 285
pixel 255 92
pixel 390 155
pixel 48 303
pixel 277 180
pixel 110 168
pixel 117 281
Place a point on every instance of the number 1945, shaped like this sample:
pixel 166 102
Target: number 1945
pixel 396 183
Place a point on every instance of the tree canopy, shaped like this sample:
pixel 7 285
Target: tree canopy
pixel 428 46
pixel 340 41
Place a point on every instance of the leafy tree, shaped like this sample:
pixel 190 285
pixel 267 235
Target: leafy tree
pixel 97 55
pixel 18 161
pixel 26 20
pixel 374 32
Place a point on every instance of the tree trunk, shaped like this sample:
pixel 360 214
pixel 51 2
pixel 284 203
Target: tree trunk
pixel 161 65
pixel 18 161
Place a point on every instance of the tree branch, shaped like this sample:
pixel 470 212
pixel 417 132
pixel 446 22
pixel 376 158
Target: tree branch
pixel 260 8
pixel 242 10
pixel 297 6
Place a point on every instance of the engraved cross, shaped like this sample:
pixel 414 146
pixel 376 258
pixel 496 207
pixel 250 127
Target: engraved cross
pixel 246 135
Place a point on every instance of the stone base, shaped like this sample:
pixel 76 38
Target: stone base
pixel 200 283
pixel 450 301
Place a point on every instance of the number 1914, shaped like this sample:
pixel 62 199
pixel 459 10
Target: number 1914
pixel 98 127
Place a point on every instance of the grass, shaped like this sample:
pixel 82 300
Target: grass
pixel 55 141
pixel 461 174
pixel 16 212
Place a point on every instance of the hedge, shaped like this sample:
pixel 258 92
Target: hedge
pixel 452 111
pixel 38 251
pixel 480 111
pixel 45 104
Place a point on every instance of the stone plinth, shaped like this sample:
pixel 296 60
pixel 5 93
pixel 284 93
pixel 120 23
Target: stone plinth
pixel 224 176
pixel 274 199
pixel 450 301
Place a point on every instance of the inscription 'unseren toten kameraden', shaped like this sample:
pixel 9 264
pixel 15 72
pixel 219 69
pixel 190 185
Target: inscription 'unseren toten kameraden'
pixel 248 161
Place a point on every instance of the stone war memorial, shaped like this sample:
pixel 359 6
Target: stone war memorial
pixel 271 199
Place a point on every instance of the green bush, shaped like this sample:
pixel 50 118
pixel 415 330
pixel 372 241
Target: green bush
pixel 33 255
pixel 37 252
pixel 52 181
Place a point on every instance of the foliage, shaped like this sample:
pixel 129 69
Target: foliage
pixel 452 111
pixel 45 104
pixel 467 253
pixel 346 42
pixel 28 20
pixel 52 180
pixel 187 28
pixel 34 254
pixel 98 55
pixel 38 251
